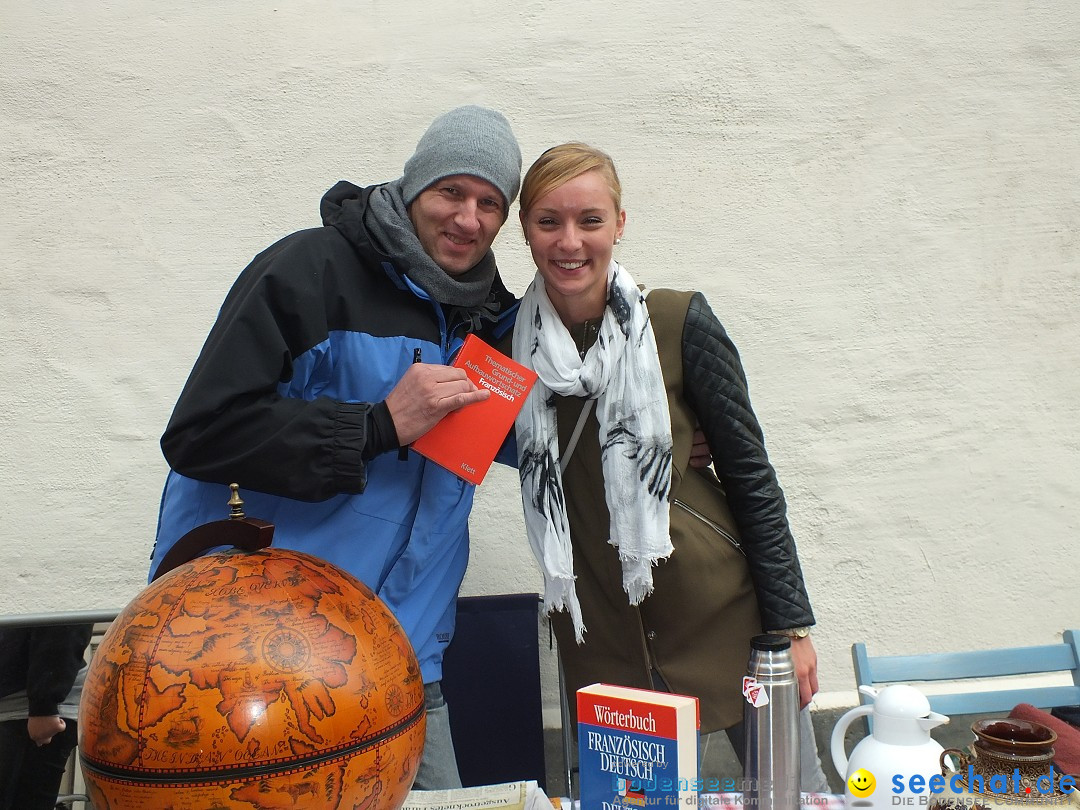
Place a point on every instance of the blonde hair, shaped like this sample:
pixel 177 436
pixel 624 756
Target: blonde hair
pixel 565 162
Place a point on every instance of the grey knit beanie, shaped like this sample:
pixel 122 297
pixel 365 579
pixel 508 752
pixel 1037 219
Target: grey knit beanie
pixel 468 140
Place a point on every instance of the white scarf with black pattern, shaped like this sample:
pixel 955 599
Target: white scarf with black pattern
pixel 622 372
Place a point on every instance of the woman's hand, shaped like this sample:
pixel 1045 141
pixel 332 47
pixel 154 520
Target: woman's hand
pixel 804 656
pixel 699 450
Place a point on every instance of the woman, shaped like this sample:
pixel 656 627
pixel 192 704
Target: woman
pixel 604 464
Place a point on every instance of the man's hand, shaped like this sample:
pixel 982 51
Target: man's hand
pixel 804 656
pixel 43 728
pixel 425 395
pixel 699 451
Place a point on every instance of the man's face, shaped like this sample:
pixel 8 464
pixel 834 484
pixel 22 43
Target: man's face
pixel 457 219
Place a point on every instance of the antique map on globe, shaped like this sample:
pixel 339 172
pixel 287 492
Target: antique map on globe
pixel 265 679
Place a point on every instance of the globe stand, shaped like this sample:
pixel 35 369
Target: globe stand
pixel 237 531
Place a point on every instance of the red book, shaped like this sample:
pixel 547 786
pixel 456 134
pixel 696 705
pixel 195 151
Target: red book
pixel 465 441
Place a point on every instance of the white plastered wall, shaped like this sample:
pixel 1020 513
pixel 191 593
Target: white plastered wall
pixel 880 200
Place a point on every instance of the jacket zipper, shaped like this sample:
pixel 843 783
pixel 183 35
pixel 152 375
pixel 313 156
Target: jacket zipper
pixel 713 525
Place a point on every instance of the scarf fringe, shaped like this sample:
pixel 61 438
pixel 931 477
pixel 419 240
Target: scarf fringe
pixel 560 595
pixel 637 590
pixel 637 574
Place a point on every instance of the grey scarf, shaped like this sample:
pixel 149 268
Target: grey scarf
pixel 387 221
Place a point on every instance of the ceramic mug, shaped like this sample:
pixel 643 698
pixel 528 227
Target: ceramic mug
pixel 1004 746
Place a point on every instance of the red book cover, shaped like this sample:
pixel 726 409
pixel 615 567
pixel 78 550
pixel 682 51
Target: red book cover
pixel 465 441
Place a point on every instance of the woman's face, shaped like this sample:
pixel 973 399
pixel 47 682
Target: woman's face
pixel 571 231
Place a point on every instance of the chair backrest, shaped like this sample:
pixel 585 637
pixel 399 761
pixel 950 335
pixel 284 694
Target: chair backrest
pixel 957 666
pixel 491 682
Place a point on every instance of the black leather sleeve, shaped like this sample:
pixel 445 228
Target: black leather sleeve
pixel 715 387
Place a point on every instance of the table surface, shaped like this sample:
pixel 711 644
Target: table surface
pixel 734 801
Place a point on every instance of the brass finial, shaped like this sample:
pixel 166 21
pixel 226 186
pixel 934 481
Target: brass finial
pixel 236 503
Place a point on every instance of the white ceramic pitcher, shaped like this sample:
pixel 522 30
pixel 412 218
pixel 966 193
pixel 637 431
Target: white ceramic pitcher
pixel 900 745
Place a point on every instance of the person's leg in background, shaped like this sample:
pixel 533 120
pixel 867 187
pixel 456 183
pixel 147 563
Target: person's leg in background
pixel 13 740
pixel 811 777
pixel 438 766
pixel 30 775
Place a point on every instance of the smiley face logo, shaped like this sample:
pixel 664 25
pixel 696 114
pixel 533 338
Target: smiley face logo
pixel 861 783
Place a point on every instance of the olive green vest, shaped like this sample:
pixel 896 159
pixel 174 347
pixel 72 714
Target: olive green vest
pixel 694 630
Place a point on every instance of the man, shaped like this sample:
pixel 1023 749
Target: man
pixel 328 356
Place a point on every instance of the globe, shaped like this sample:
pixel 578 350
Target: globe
pixel 252 679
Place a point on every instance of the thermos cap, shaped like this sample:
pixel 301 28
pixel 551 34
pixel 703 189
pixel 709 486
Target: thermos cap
pixel 769 642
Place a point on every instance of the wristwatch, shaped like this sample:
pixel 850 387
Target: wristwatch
pixel 793 632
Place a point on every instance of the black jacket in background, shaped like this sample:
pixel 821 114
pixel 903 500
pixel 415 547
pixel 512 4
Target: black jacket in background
pixel 44 661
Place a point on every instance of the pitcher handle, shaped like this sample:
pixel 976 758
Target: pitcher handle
pixel 836 746
pixel 960 758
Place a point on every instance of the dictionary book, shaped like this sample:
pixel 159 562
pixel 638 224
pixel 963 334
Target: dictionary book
pixel 637 748
pixel 465 441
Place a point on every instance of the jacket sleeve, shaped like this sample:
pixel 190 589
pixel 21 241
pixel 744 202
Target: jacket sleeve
pixel 55 658
pixel 231 424
pixel 715 387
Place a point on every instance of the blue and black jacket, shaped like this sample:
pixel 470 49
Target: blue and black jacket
pixel 311 339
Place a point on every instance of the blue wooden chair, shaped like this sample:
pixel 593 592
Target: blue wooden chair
pixel 957 666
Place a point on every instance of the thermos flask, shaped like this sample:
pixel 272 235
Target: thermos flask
pixel 771 722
